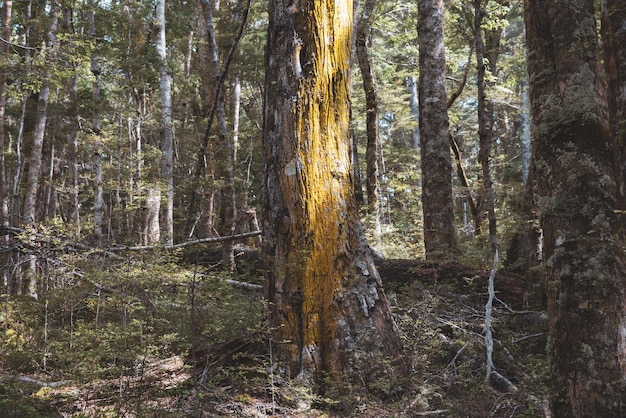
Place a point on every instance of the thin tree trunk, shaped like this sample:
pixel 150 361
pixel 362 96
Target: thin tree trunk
pixel 98 206
pixel 74 204
pixel 372 155
pixel 485 123
pixel 167 163
pixel 525 136
pixel 224 150
pixel 411 86
pixel 152 227
pixel 439 232
pixel 35 159
pixel 5 32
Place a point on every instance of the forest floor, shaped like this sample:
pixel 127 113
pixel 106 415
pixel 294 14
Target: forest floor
pixel 440 311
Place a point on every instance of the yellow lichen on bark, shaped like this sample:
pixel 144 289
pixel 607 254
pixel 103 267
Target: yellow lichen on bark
pixel 323 140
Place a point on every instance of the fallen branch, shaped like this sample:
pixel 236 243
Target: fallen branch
pixel 245 285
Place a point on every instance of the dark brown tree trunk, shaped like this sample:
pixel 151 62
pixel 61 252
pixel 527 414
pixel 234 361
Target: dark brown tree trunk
pixel 614 48
pixel 485 120
pixel 328 312
pixel 372 156
pixel 577 190
pixel 439 233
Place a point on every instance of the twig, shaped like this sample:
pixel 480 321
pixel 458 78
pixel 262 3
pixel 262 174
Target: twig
pixel 516 340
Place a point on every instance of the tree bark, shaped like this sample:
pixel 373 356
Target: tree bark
pixel 328 312
pixel 577 190
pixel 439 233
pixel 614 48
pixel 167 161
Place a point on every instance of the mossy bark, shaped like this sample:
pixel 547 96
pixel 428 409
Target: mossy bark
pixel 328 312
pixel 579 206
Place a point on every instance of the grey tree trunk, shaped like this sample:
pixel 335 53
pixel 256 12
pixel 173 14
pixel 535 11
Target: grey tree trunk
pixel 167 163
pixel 98 206
pixel 411 86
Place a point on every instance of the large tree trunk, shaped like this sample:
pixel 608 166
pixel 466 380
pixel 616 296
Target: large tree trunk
pixel 328 312
pixel 439 233
pixel 167 162
pixel 577 179
pixel 372 157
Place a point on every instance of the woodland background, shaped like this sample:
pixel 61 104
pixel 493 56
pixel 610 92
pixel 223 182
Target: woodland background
pixel 131 139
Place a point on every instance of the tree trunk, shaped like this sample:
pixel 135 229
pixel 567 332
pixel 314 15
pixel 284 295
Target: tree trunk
pixel 372 156
pixel 5 32
pixel 614 46
pixel 224 149
pixel 577 190
pixel 439 233
pixel 328 312
pixel 167 162
pixel 485 120
pixel 411 86
pixel 152 227
pixel 98 205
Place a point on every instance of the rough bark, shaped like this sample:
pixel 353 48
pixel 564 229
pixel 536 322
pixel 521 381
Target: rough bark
pixel 328 312
pixel 167 161
pixel 614 48
pixel 577 190
pixel 439 233
pixel 372 156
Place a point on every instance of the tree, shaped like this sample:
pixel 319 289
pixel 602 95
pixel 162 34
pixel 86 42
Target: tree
pixel 577 190
pixel 614 47
pixel 372 152
pixel 439 234
pixel 167 163
pixel 328 312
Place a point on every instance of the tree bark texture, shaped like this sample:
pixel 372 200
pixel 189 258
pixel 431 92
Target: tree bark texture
pixel 614 46
pixel 439 233
pixel 577 192
pixel 327 309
